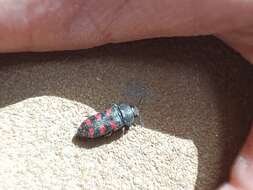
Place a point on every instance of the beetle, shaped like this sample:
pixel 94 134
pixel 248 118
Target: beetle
pixel 105 123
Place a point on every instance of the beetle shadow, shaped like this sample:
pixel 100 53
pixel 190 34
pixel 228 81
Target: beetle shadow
pixel 103 140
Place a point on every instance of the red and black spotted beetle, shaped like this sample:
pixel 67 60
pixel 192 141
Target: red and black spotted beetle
pixel 104 123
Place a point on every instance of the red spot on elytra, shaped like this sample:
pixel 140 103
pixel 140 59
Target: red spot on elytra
pixel 102 130
pixel 88 122
pixel 91 132
pixel 98 116
pixel 108 112
pixel 113 125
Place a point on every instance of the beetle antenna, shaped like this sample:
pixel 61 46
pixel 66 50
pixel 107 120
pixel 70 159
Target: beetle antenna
pixel 140 101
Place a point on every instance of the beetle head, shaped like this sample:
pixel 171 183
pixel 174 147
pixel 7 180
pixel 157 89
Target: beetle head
pixel 135 111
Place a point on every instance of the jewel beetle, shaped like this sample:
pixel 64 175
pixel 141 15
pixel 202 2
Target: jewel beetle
pixel 105 123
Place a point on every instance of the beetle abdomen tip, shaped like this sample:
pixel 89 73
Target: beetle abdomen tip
pixel 80 132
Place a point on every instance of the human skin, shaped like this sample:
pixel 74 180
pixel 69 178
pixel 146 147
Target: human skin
pixel 242 171
pixel 49 25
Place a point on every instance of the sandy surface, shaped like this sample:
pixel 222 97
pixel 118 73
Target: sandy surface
pixel 38 147
pixel 196 101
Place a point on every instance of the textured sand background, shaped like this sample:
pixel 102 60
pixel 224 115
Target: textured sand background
pixel 197 103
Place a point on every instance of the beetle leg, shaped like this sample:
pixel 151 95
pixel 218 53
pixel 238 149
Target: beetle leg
pixel 108 134
pixel 125 129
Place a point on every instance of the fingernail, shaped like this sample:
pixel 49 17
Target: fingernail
pixel 227 186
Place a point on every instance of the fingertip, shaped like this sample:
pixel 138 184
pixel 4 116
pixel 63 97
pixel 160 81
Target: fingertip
pixel 242 171
pixel 247 150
